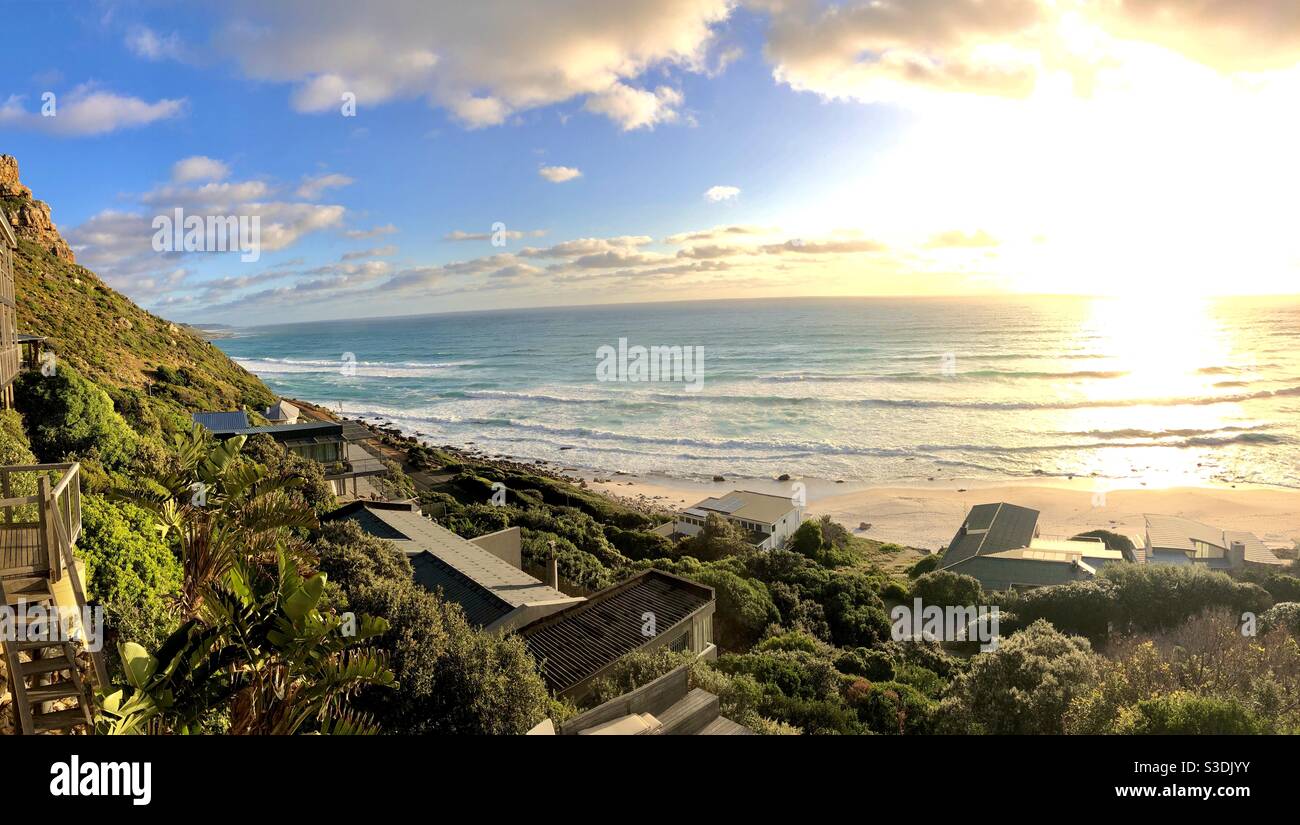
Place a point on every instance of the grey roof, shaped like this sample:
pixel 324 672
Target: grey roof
pixel 991 528
pixel 579 642
pixel 1174 533
pixel 281 410
pixel 218 422
pixel 745 504
pixel 486 586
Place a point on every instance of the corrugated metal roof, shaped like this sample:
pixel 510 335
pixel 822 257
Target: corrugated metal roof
pixel 577 643
pixel 219 422
pixel 482 607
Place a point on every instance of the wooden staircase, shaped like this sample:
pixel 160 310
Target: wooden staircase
pixel 45 681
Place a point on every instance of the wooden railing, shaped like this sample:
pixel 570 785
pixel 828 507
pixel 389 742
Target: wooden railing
pixel 57 527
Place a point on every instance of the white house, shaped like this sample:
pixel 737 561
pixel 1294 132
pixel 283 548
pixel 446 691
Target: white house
pixel 766 519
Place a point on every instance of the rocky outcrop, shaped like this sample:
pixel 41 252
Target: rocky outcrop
pixel 30 218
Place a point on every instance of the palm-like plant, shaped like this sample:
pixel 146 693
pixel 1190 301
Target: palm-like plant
pixel 261 646
pixel 219 508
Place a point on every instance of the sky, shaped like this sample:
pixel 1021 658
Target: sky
pixel 421 156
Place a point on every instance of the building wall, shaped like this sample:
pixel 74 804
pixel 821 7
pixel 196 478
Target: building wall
pixel 1018 574
pixel 506 545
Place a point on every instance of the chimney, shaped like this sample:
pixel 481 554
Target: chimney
pixel 1237 554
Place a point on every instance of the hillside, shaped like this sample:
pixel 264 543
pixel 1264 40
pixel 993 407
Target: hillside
pixel 102 334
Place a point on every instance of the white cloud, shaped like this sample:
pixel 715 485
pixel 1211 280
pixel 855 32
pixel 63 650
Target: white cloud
pixel 508 234
pixel 481 61
pixel 722 193
pixel 144 42
pixel 375 232
pixel 199 167
pixel 313 187
pixel 559 174
pixel 88 111
pixel 636 108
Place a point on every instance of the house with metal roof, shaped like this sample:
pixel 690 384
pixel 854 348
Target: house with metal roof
pixel 649 611
pixel 334 444
pixel 482 575
pixel 1176 540
pixel 1000 545
pixel 766 519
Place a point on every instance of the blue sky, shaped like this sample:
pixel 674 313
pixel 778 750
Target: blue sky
pixel 934 146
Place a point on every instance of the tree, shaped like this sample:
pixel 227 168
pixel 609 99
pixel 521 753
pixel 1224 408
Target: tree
pixel 451 677
pixel 945 588
pixel 1183 714
pixel 718 539
pixel 1022 687
pixel 127 559
pixel 218 508
pixel 807 540
pixel 260 648
pixel 68 416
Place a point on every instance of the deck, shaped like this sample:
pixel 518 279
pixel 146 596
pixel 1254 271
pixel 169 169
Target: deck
pixel 21 551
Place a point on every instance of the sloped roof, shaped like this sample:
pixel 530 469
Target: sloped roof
pixel 282 411
pixel 1174 533
pixel 579 642
pixel 991 528
pixel 486 586
pixel 744 504
pixel 221 422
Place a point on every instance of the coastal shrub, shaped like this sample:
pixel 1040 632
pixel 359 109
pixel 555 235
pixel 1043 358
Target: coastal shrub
pixel 14 446
pixel 639 544
pixel 451 678
pixel 946 588
pixel 807 539
pixel 1022 687
pixel 745 607
pixel 1187 714
pixel 796 674
pixel 799 613
pixel 1284 616
pixel 895 591
pixel 575 566
pixel 1153 597
pixel 1080 608
pixel 1113 541
pixel 633 671
pixel 855 613
pixel 1281 587
pixel 873 664
pixel 891 707
pixel 394 484
pixel 718 539
pixel 70 417
pixel 477 520
pixel 925 565
pixel 128 562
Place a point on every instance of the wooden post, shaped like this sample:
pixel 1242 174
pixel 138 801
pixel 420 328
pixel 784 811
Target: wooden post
pixel 49 536
pixel 8 493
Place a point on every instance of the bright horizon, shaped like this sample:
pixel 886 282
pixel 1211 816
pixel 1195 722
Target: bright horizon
pixel 668 151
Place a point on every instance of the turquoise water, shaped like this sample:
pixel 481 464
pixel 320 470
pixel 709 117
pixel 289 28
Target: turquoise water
pixel 873 390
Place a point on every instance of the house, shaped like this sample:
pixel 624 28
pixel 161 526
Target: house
pixel 10 357
pixel 767 520
pixel 1000 545
pixel 482 575
pixel 649 611
pixel 667 706
pixel 1175 540
pixel 336 445
pixel 281 413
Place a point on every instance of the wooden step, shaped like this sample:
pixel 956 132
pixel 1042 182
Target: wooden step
pixel 38 666
pixel 690 715
pixel 37 645
pixel 48 693
pixel 59 719
pixel 31 590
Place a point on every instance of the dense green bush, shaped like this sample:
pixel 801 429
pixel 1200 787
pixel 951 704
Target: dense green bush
pixel 70 417
pixel 1023 687
pixel 1185 713
pixel 945 588
pixel 451 677
pixel 128 562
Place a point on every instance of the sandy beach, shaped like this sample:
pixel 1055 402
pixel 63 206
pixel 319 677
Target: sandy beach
pixel 927 515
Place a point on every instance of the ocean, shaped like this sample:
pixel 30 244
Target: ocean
pixel 873 390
